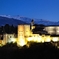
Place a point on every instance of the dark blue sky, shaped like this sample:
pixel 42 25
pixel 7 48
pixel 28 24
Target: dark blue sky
pixel 40 9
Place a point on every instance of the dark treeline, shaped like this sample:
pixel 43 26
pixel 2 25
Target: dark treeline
pixel 8 29
pixel 39 29
pixel 35 51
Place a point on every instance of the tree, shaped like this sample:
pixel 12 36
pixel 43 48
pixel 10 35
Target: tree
pixel 39 29
pixel 16 30
pixel 1 30
pixel 7 28
pixel 12 29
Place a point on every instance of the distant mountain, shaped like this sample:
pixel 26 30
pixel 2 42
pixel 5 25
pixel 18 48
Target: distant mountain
pixel 36 21
pixel 10 21
pixel 15 20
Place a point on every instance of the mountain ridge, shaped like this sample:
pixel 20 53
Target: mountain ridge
pixel 22 20
pixel 10 21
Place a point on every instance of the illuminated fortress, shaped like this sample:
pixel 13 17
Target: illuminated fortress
pixel 26 35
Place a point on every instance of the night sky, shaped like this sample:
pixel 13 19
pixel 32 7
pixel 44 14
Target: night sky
pixel 40 9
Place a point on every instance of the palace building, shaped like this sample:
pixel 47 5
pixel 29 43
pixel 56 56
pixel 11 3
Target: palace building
pixel 26 35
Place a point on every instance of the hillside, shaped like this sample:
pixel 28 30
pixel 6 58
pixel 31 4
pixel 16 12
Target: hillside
pixel 15 20
pixel 10 21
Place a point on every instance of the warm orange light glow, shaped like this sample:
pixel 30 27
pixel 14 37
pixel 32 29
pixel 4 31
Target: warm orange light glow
pixel 26 36
pixel 21 38
pixel 27 30
pixel 55 39
pixel 50 30
pixel 21 42
pixel 47 39
pixel 30 39
pixel 13 40
pixel 39 39
pixel 33 27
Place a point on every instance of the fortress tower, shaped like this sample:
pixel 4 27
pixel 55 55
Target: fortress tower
pixel 21 38
pixel 27 30
pixel 32 23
